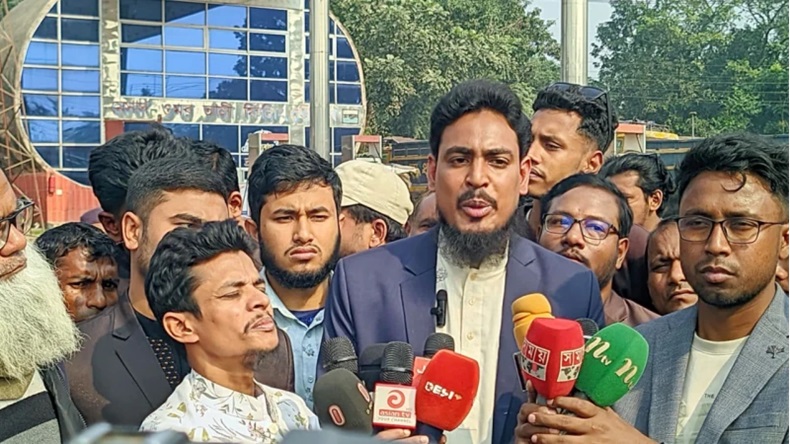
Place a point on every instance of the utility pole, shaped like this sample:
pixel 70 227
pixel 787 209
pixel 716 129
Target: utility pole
pixel 574 41
pixel 693 124
pixel 320 133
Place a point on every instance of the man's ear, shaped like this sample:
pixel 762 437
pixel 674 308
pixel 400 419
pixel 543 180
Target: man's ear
pixel 654 200
pixel 622 251
pixel 132 230
pixel 111 226
pixel 593 163
pixel 248 225
pixel 431 173
pixel 180 327
pixel 235 204
pixel 525 166
pixel 379 235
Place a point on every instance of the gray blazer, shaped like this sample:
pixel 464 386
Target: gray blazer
pixel 752 405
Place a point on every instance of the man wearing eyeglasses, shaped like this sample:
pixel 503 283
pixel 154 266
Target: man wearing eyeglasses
pixel 717 371
pixel 37 333
pixel 584 218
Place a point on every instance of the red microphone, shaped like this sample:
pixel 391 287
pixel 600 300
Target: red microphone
pixel 434 343
pixel 552 356
pixel 447 390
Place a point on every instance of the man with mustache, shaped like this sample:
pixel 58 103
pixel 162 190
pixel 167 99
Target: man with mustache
pixel 205 291
pixel 669 288
pixel 716 371
pixel 585 218
pixel 478 166
pixel 36 333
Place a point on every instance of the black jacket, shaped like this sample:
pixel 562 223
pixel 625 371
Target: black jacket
pixel 70 421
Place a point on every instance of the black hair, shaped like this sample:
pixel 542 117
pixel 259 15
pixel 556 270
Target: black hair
pixel 111 165
pixel 594 125
pixel 284 168
pixel 365 215
pixel 221 162
pixel 477 95
pixel 149 183
pixel 738 154
pixel 625 217
pixel 170 283
pixel 61 240
pixel 653 174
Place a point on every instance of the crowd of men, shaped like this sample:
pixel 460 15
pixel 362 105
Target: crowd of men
pixel 182 314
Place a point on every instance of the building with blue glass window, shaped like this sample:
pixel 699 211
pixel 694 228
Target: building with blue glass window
pixel 87 70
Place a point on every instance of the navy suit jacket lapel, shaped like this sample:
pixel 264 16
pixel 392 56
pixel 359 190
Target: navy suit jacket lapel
pixel 418 292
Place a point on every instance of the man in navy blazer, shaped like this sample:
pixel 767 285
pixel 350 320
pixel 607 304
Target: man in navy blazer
pixel 479 139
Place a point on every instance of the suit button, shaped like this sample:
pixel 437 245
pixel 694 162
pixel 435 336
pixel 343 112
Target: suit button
pixel 470 336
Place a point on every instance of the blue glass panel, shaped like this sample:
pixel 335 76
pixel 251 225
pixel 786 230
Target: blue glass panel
pixel 54 9
pixel 186 13
pixel 185 87
pixel 78 176
pixel 246 130
pixel 227 39
pixel 338 134
pixel 307 92
pixel 80 7
pixel 177 36
pixel 41 105
pixel 331 92
pixel 347 71
pixel 307 136
pixel 344 49
pixel 230 89
pixel 148 10
pixel 40 79
pixel 269 67
pixel 79 30
pixel 267 42
pixel 226 136
pixel 80 81
pixel 146 85
pixel 43 130
pixel 81 106
pixel 76 156
pixel 80 55
pixel 142 35
pixel 184 130
pixel 227 16
pixel 307 69
pixel 337 159
pixel 81 131
pixel 48 29
pixel 136 59
pixel 42 53
pixel 265 18
pixel 306 22
pixel 227 65
pixel 185 62
pixel 269 91
pixel 50 154
pixel 331 26
pixel 136 126
pixel 242 161
pixel 349 94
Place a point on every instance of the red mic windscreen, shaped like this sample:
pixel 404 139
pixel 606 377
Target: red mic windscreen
pixel 553 352
pixel 448 387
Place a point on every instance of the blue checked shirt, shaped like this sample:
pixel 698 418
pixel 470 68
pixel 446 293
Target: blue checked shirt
pixel 305 342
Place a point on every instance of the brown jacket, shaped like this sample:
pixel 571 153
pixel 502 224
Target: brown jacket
pixel 619 309
pixel 117 378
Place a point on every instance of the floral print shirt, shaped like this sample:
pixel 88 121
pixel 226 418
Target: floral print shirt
pixel 208 412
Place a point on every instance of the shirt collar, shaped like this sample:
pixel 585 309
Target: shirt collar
pixel 277 303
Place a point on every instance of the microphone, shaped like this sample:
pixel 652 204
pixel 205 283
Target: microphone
pixel 338 353
pixel 525 310
pixel 433 343
pixel 589 327
pixel 552 356
pixel 446 392
pixel 393 405
pixel 340 400
pixel 440 311
pixel 370 365
pixel 614 360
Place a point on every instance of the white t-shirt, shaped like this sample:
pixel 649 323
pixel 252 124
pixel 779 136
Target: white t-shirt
pixel 709 364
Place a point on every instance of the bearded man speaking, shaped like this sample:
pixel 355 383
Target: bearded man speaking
pixel 36 333
pixel 477 167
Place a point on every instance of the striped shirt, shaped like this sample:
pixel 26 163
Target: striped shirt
pixel 30 418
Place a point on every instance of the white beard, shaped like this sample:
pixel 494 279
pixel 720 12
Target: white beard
pixel 35 328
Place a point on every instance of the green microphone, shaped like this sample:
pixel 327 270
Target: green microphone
pixel 614 360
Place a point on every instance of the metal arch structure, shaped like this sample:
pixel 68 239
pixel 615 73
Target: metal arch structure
pixel 17 157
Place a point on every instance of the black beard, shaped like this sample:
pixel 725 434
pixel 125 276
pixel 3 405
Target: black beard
pixel 298 280
pixel 473 249
pixel 724 302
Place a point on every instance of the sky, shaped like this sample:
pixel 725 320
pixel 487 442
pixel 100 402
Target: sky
pixel 598 11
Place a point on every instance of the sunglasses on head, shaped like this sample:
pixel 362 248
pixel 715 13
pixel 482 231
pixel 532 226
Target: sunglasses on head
pixel 590 93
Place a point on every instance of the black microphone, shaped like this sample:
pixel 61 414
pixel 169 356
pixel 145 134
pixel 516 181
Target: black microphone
pixel 339 353
pixel 440 311
pixel 394 399
pixel 436 342
pixel 370 365
pixel 589 327
pixel 342 401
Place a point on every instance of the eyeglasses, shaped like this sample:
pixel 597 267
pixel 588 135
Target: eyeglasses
pixel 737 230
pixel 21 218
pixel 592 94
pixel 594 231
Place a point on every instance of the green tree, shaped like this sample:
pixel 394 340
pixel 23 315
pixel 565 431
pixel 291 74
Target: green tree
pixel 414 51
pixel 724 60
